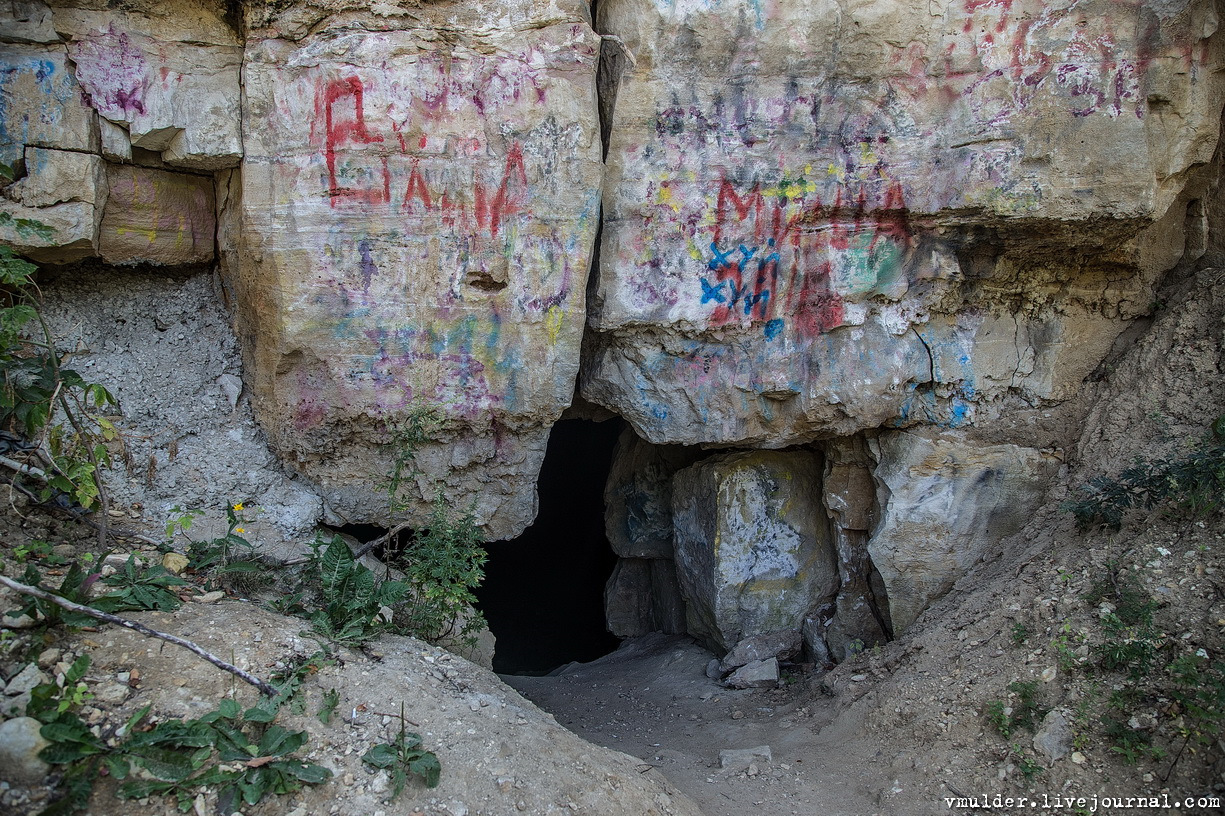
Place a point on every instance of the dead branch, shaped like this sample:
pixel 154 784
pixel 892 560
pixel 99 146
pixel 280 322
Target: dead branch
pixel 34 592
pixel 361 549
pixel 76 515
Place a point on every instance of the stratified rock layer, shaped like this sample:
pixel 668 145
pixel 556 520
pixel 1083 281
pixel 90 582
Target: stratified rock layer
pixel 418 207
pixel 788 249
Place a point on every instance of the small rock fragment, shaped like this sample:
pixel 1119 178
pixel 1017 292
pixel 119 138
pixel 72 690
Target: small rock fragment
pixel 174 562
pixel 758 674
pixel 740 759
pixel 1054 738
pixel 20 742
pixel 782 644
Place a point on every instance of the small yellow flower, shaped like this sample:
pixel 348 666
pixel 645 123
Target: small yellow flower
pixel 238 507
pixel 239 530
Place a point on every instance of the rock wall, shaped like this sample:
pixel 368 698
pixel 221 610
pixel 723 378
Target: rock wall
pixel 825 217
pixel 418 204
pixel 891 237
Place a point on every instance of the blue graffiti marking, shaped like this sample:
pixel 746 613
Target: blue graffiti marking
pixel 747 253
pixel 752 300
pixel 774 328
pixel 721 258
pixel 714 293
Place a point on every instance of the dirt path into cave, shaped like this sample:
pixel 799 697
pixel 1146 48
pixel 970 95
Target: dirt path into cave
pixel 652 700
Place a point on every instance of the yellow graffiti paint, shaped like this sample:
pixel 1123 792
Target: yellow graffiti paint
pixel 666 198
pixel 148 233
pixel 552 322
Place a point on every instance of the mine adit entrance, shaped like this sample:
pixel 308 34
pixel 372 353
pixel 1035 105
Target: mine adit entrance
pixel 543 594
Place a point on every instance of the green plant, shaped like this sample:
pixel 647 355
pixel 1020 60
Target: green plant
pixel 1024 713
pixel 331 699
pixel 227 561
pixel 36 388
pixel 290 678
pixel 1026 764
pixel 74 587
pixel 1199 692
pixel 139 587
pixel 404 756
pixel 180 521
pixel 1020 633
pixel 443 561
pixel 1065 653
pixel 1132 640
pixel 38 550
pixel 1193 484
pixel 417 428
pixel 242 755
pixel 48 701
pixel 352 596
pixel 1132 744
pixel 441 565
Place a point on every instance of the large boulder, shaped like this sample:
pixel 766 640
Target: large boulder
pixel 888 212
pixel 943 501
pixel 753 553
pixel 418 205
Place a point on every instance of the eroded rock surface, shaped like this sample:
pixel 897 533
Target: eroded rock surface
pixel 752 547
pixel 942 502
pixel 418 203
pixel 794 242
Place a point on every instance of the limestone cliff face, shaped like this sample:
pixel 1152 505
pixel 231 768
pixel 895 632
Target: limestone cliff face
pixel 796 192
pixel 417 208
pixel 895 236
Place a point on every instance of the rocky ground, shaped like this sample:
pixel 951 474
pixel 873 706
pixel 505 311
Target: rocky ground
pixel 890 732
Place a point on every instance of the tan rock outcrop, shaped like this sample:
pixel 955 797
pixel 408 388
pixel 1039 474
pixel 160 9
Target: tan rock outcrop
pixel 943 501
pixel 418 206
pixel 797 193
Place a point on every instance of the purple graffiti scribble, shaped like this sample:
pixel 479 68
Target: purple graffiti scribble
pixel 367 263
pixel 113 73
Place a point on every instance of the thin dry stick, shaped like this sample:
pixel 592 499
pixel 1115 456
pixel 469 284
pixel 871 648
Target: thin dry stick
pixel 361 549
pixel 35 592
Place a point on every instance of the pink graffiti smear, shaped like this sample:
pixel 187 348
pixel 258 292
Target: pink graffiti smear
pixel 113 73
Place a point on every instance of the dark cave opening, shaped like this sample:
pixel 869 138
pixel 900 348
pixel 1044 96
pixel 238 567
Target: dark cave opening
pixel 543 594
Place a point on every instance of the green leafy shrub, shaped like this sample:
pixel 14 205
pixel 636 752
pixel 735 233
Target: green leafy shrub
pixel 140 588
pixel 441 564
pixel 443 561
pixel 1193 484
pixel 229 561
pixel 36 389
pixel 352 595
pixel 403 757
pixel 239 753
pixel 1024 713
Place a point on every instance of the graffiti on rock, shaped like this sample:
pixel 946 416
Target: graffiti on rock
pixel 453 228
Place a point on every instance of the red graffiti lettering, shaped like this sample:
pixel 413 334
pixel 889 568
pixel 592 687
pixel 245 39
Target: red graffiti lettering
pixel 340 131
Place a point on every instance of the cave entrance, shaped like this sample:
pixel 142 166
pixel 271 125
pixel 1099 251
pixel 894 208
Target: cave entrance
pixel 543 593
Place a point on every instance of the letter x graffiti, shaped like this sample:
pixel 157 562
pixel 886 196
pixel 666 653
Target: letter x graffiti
pixel 714 293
